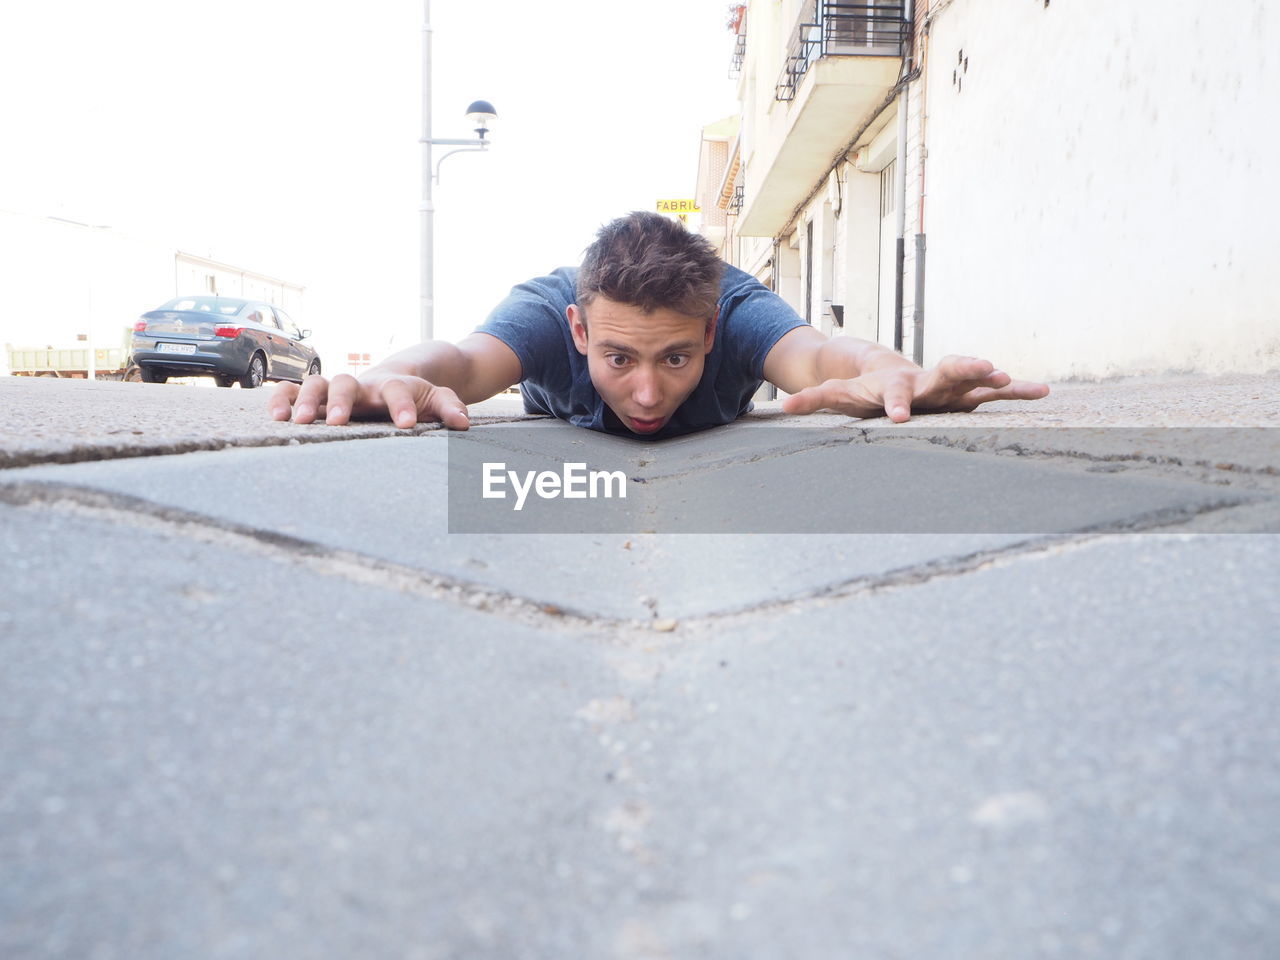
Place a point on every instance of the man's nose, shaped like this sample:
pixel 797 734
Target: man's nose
pixel 647 391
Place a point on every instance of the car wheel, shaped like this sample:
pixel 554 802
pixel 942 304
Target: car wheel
pixel 223 380
pixel 133 374
pixel 256 374
pixel 314 369
pixel 151 375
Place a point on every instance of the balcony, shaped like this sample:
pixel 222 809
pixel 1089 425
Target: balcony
pixel 842 30
pixel 738 27
pixel 841 61
pixel 739 56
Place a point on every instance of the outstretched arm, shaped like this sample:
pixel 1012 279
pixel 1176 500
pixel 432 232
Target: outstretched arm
pixel 430 382
pixel 863 379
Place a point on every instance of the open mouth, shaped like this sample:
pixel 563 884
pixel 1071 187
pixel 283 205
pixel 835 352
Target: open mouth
pixel 645 426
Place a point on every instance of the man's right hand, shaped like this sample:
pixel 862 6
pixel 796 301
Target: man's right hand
pixel 404 400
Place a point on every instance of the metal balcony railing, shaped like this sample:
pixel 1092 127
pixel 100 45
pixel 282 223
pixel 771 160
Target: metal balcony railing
pixel 868 29
pixel 739 55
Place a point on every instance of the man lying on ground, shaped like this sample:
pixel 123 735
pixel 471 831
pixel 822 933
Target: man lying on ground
pixel 655 336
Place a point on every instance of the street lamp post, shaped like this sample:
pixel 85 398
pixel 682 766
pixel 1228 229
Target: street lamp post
pixel 481 114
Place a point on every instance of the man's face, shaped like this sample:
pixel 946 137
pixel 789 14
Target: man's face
pixel 643 365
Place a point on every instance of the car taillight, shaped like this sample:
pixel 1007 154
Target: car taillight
pixel 229 332
pixel 140 327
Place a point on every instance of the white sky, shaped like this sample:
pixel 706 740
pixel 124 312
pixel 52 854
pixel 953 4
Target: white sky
pixel 281 136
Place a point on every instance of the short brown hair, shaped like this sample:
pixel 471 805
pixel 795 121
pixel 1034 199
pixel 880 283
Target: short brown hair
pixel 652 262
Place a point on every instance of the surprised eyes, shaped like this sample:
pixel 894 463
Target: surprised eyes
pixel 619 361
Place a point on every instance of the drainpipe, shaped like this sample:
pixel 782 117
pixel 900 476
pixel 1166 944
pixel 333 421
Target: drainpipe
pixel 774 277
pixel 917 310
pixel 917 340
pixel 900 180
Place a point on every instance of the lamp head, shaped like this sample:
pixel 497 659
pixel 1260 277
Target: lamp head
pixel 481 114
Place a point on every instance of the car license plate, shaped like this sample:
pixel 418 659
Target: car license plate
pixel 176 347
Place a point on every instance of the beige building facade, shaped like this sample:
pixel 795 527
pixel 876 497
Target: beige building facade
pixel 1073 189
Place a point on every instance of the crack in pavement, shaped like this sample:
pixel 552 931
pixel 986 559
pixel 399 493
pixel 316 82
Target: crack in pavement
pixel 919 574
pixel 709 464
pixel 368 570
pixel 90 453
pixel 1209 471
pixel 95 452
pixel 350 565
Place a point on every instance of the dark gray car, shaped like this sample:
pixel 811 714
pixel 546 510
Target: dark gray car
pixel 229 339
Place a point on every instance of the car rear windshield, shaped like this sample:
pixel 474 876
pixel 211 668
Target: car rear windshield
pixel 225 308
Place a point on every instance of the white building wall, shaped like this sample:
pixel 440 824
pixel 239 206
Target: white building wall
pixel 1095 195
pixel 63 280
pixel 754 255
pixel 1099 189
pixel 769 27
pixel 199 275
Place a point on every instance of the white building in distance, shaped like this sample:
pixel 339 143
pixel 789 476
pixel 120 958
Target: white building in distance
pixel 67 283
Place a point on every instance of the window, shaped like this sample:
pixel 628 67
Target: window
pixel 224 308
pixel 286 322
pixel 870 27
pixel 888 197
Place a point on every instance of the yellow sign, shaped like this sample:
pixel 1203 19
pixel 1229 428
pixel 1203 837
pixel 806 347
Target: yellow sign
pixel 683 207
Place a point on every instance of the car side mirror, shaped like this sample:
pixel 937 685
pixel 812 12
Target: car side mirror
pixel 303 334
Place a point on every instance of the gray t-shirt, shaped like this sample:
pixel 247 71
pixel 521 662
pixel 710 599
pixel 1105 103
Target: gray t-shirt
pixel 555 380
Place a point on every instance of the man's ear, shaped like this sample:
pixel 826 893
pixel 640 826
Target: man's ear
pixel 709 338
pixel 577 327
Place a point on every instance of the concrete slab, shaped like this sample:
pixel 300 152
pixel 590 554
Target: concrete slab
pixel 381 498
pixel 1070 754
pixel 212 751
pixel 219 747
pixel 752 478
pixel 858 488
pixel 927 503
pixel 385 498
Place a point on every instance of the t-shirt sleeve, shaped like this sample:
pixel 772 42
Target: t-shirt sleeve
pixel 531 321
pixel 755 317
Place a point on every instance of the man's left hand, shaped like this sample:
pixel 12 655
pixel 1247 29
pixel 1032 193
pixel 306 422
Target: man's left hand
pixel 956 384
